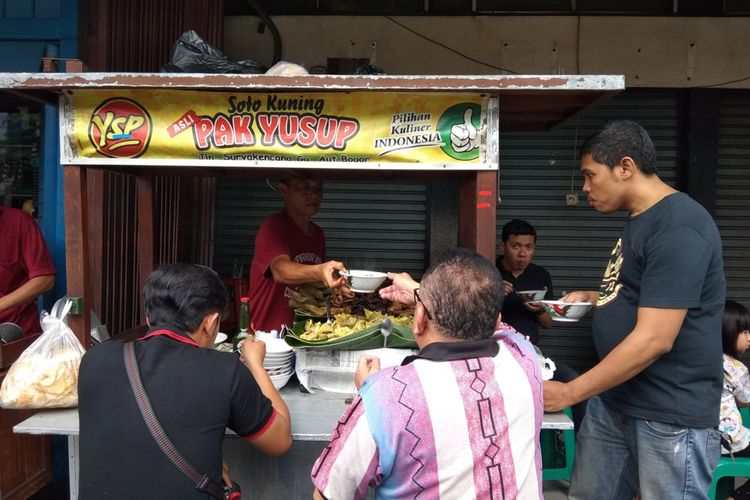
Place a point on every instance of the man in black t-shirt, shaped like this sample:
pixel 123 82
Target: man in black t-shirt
pixel 517 245
pixel 196 393
pixel 657 331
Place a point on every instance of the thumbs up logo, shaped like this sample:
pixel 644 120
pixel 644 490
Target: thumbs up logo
pixel 461 123
pixel 464 135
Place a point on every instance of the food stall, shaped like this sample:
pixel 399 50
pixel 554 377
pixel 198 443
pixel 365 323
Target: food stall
pixel 254 126
pixel 379 127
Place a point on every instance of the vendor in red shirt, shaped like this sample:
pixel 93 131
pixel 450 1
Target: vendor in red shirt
pixel 26 269
pixel 289 251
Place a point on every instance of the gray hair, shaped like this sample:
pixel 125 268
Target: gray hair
pixel 464 293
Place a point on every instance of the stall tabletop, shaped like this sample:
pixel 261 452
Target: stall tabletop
pixel 313 416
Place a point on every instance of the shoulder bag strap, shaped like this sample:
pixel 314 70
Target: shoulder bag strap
pixel 202 482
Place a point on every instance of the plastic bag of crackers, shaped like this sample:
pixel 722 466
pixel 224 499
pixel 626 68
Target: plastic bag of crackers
pixel 46 373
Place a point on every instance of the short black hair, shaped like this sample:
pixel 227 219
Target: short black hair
pixel 464 293
pixel 517 227
pixel 620 138
pixel 736 319
pixel 182 295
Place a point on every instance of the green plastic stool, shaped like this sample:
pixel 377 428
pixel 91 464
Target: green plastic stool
pixel 557 463
pixel 722 483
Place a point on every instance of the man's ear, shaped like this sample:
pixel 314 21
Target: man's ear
pixel 419 321
pixel 212 321
pixel 629 167
pixel 208 325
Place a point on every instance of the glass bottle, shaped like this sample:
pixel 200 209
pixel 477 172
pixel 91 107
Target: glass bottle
pixel 244 321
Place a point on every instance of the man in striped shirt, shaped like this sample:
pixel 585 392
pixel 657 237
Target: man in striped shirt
pixel 460 419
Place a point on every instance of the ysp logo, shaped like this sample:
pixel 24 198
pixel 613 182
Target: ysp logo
pixel 120 128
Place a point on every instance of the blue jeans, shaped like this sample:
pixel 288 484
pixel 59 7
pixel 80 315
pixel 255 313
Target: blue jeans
pixel 618 455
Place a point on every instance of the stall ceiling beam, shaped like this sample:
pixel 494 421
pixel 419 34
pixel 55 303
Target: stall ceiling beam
pixel 526 102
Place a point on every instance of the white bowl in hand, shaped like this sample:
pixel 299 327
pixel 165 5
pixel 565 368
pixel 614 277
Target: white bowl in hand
pixel 565 311
pixel 364 281
pixel 531 295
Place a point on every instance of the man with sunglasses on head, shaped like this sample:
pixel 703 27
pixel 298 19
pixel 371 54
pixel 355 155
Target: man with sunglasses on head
pixel 289 251
pixel 460 419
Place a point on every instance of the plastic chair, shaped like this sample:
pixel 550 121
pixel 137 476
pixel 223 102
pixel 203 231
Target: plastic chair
pixel 722 483
pixel 558 463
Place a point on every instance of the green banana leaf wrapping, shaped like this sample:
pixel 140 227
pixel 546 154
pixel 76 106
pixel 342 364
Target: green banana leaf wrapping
pixel 369 338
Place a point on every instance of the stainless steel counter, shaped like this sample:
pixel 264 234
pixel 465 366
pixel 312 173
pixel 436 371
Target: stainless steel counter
pixel 313 418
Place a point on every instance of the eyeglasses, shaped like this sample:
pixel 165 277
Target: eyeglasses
pixel 417 300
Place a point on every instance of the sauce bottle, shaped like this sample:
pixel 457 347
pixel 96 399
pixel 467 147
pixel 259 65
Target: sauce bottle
pixel 244 322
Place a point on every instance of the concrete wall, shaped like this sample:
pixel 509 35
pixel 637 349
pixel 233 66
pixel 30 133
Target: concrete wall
pixel 650 51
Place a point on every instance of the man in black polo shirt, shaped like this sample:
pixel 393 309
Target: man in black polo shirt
pixel 518 243
pixel 196 393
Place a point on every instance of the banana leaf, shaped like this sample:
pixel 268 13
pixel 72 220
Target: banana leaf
pixel 369 338
pixel 303 315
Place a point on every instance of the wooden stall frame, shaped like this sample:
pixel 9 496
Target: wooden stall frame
pixel 518 102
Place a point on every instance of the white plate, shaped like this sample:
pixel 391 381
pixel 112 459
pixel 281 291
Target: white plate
pixel 565 320
pixel 220 337
pixel 281 366
pixel 279 355
pixel 279 373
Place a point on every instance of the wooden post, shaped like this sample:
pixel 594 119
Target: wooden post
pixel 95 180
pixel 145 244
pixel 476 213
pixel 77 248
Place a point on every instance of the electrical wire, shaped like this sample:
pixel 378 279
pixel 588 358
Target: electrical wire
pixel 578 45
pixel 266 19
pixel 722 83
pixel 420 35
pixel 575 155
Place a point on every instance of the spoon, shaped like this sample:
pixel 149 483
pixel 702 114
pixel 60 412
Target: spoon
pixel 328 310
pixel 386 329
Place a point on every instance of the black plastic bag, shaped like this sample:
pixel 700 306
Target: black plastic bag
pixel 369 69
pixel 192 54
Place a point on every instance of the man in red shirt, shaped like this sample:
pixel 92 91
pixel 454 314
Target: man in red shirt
pixel 289 251
pixel 26 269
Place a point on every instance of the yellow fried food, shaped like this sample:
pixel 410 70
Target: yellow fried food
pixel 346 324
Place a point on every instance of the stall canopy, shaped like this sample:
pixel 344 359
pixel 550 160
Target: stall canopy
pixel 358 127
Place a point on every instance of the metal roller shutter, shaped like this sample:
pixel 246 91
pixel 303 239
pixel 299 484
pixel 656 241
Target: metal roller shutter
pixel 574 243
pixel 368 225
pixel 732 193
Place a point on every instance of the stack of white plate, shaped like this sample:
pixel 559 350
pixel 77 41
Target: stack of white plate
pixel 278 362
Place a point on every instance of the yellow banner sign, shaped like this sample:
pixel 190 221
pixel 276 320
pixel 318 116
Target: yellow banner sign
pixel 238 126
